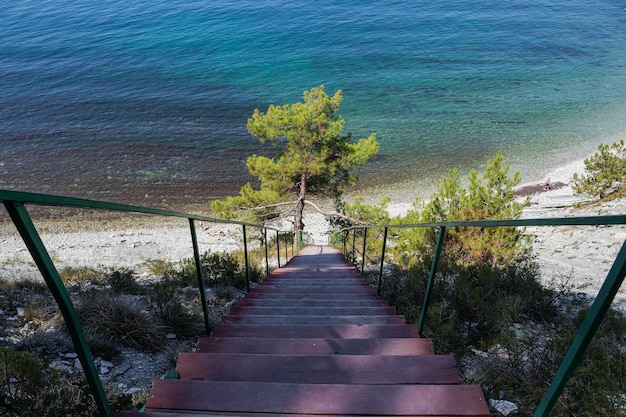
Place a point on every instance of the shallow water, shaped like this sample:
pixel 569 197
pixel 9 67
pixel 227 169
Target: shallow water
pixel 141 101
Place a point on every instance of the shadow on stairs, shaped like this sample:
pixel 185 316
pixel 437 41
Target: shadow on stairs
pixel 314 340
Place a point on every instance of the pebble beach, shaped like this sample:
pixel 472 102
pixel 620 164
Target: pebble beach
pixel 582 255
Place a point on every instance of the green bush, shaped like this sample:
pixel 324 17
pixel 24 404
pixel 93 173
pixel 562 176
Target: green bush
pixel 167 300
pixel 488 197
pixel 473 304
pixel 79 275
pixel 123 281
pixel 112 319
pixel 29 389
pixel 605 172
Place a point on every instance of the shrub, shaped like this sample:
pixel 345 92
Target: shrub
pixel 167 301
pixel 80 275
pixel 29 389
pixel 123 281
pixel 162 268
pixel 112 319
pixel 473 305
pixel 489 197
pixel 605 172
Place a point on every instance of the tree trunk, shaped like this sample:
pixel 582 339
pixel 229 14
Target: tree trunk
pixel 298 224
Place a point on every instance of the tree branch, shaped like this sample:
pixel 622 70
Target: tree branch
pixel 335 214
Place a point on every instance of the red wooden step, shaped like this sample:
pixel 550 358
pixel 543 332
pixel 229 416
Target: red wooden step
pixel 316 346
pixel 318 369
pixel 331 283
pixel 369 331
pixel 312 289
pixel 260 302
pixel 325 399
pixel 314 320
pixel 312 311
pixel 309 296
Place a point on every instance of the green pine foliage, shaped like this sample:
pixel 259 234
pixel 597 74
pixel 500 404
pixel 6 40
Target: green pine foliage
pixel 489 196
pixel 316 158
pixel 605 173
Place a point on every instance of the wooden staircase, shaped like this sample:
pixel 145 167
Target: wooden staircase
pixel 314 340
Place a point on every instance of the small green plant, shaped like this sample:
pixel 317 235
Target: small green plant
pixel 167 301
pixel 79 275
pixel 161 268
pixel 605 172
pixel 123 281
pixel 101 349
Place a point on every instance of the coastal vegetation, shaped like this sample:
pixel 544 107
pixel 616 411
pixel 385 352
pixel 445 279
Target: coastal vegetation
pixel 490 307
pixel 316 159
pixel 605 173
pixel 124 318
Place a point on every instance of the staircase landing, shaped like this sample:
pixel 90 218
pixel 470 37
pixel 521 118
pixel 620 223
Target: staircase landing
pixel 314 340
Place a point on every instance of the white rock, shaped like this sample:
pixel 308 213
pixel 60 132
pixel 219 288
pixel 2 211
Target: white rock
pixel 20 311
pixel 503 407
pixel 70 355
pixel 77 364
pixel 479 353
pixel 104 370
pixel 106 364
pixel 58 365
pixel 170 336
pixel 131 391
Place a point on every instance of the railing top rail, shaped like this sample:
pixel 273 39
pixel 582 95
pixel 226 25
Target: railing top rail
pixel 54 200
pixel 551 221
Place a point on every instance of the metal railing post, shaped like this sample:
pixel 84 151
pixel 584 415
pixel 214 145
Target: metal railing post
pixel 353 245
pixel 382 261
pixel 245 254
pixel 196 257
pixel 364 247
pixel 42 259
pixel 278 247
pixel 587 330
pixel 267 261
pixel 286 248
pixel 431 278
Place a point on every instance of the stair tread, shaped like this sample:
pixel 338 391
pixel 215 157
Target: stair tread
pixel 315 320
pixel 312 311
pixel 268 302
pixel 331 399
pixel 368 331
pixel 319 346
pixel 318 369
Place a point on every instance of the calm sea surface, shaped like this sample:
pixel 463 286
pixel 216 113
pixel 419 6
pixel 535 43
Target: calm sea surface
pixel 126 99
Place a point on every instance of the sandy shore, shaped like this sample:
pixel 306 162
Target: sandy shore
pixel 582 255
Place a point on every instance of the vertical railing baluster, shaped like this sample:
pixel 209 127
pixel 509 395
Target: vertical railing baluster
pixel 353 260
pixel 431 278
pixel 37 249
pixel 364 247
pixel 245 254
pixel 278 247
pixel 196 257
pixel 587 330
pixel 382 261
pixel 267 261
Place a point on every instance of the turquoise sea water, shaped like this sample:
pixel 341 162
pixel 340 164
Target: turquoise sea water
pixel 103 96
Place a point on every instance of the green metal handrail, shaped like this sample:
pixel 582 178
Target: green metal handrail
pixel 592 320
pixel 15 201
